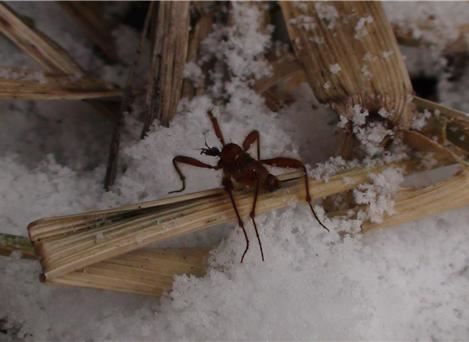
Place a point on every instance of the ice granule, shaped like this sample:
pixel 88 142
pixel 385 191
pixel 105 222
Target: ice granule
pixel 335 68
pixel 359 115
pixel 378 195
pixel 194 73
pixel 420 120
pixel 360 27
pixel 327 13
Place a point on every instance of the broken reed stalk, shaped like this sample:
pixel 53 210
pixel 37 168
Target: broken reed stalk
pixel 51 56
pixel 68 244
pixel 147 272
pixel 45 51
pixel 350 57
pixel 68 241
pixel 170 43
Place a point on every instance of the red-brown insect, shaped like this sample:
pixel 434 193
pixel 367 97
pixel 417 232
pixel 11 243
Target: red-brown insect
pixel 237 164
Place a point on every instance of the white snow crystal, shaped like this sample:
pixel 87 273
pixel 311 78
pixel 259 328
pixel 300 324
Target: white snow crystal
pixel 384 113
pixel 360 27
pixel 359 115
pixel 194 73
pixel 343 121
pixel 365 70
pixel 378 195
pixel 304 22
pixel 335 68
pixel 420 120
pixel 327 13
pixel 387 54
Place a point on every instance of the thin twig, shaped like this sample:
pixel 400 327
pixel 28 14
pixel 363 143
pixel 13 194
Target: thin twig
pixel 13 243
pixel 56 88
pixel 51 56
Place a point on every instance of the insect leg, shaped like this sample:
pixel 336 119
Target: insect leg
pixel 216 127
pixel 228 185
pixel 252 214
pixel 250 139
pixel 188 161
pixel 295 164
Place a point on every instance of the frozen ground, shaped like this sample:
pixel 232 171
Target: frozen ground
pixel 406 282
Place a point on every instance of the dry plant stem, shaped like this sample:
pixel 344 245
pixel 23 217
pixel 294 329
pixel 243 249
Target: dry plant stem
pixel 455 135
pixel 93 25
pixel 13 243
pixel 59 88
pixel 170 44
pixel 372 72
pixel 113 158
pixel 422 143
pixel 147 272
pixel 151 274
pixel 44 50
pixel 50 55
pixel 68 253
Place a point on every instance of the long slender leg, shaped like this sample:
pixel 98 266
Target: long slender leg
pixel 228 185
pixel 253 215
pixel 250 139
pixel 216 127
pixel 295 164
pixel 189 161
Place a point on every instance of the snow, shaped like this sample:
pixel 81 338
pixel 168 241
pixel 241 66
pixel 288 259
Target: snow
pixel 360 26
pixel 327 13
pixel 420 120
pixel 377 196
pixel 335 68
pixel 401 283
pixel 434 22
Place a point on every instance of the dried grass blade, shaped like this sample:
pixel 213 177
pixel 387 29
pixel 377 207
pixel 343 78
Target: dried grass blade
pixel 60 256
pixel 146 272
pixel 56 89
pixel 350 57
pixel 50 55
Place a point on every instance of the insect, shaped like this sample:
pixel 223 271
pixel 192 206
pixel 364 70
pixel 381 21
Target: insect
pixel 238 165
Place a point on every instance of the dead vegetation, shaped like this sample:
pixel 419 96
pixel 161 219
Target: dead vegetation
pixel 111 249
